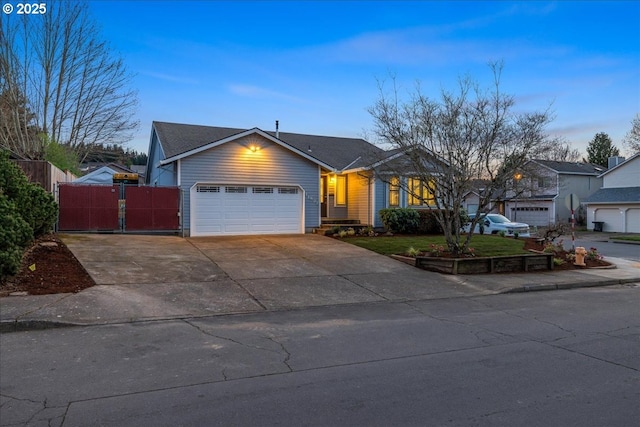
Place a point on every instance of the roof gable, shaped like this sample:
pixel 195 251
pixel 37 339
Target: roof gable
pixel 626 163
pixel 182 140
pixel 571 168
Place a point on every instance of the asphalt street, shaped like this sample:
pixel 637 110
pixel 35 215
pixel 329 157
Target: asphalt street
pixel 569 358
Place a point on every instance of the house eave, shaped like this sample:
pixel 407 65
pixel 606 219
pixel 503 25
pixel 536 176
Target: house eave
pixel 242 135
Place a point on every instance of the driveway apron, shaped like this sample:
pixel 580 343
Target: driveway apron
pixel 147 276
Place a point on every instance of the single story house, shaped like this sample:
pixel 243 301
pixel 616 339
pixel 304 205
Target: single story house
pixel 617 204
pixel 251 181
pixel 103 174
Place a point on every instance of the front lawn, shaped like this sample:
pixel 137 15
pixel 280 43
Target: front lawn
pixel 483 245
pixel 628 238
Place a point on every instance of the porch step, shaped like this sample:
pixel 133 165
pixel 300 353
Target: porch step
pixel 339 221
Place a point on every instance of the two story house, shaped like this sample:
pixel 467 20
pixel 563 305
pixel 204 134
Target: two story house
pixel 616 206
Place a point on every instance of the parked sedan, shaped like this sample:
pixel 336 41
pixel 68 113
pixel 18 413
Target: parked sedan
pixel 495 223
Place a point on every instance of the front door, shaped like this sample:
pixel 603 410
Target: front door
pixel 323 197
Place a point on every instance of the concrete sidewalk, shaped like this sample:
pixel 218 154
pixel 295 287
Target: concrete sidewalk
pixel 145 278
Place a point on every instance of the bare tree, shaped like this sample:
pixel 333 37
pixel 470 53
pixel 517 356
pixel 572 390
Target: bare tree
pixel 560 151
pixel 632 138
pixel 453 142
pixel 76 89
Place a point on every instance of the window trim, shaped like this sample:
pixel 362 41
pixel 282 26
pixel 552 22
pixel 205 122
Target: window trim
pixel 394 191
pixel 426 192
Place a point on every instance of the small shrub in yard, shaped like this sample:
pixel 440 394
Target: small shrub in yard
pixel 502 233
pixel 400 220
pixel 413 252
pixel 558 261
pixel 551 248
pixel 15 235
pixel 592 254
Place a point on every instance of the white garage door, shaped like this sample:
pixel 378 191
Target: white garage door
pixel 532 215
pixel 221 209
pixel 612 219
pixel 633 220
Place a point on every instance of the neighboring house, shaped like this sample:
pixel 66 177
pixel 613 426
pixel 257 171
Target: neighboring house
pixel 471 200
pixel 250 181
pixel 617 203
pixel 103 174
pixel 541 198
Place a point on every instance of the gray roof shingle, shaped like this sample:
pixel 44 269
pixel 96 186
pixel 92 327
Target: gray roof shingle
pixel 615 195
pixel 572 167
pixel 337 152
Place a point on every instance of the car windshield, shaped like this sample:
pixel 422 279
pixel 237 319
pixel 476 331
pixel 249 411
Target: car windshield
pixel 498 218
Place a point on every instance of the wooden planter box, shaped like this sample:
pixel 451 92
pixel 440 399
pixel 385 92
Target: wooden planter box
pixel 499 264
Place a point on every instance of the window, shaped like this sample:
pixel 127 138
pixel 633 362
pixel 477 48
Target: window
pixel 235 189
pixel 341 190
pixel 263 190
pixel 208 189
pixel 544 182
pixel 420 192
pixel 394 191
pixel 287 190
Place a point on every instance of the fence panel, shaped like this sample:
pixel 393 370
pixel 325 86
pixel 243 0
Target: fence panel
pixel 152 208
pixel 88 208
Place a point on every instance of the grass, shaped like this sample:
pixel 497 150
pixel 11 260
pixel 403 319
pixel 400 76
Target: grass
pixel 629 238
pixel 482 245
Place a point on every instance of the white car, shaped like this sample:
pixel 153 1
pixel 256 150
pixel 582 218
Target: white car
pixel 495 223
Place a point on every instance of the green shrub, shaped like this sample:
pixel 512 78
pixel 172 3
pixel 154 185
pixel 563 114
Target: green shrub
pixel 400 220
pixel 15 235
pixel 26 211
pixel 42 210
pixel 37 207
pixel 429 221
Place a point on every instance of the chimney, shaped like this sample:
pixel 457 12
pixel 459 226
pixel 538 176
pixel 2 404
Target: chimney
pixel 277 129
pixel 614 161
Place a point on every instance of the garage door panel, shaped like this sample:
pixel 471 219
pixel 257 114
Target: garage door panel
pixel 232 209
pixel 633 220
pixel 611 217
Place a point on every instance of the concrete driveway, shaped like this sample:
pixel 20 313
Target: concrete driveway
pixel 146 277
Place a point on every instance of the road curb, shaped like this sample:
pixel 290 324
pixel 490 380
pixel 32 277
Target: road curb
pixel 564 286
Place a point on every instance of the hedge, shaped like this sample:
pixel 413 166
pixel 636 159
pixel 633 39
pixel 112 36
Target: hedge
pixel 26 211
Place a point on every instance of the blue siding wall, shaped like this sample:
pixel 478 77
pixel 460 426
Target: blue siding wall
pixel 235 163
pixel 157 174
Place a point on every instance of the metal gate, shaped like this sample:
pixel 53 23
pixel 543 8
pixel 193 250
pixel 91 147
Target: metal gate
pixel 118 208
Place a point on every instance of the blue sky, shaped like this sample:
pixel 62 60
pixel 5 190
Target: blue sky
pixel 314 66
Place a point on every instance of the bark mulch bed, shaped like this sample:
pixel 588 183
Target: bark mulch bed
pixel 535 245
pixel 48 267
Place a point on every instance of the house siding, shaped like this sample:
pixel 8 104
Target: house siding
pixel 582 186
pixel 235 163
pixel 157 174
pixel 359 198
pixel 626 175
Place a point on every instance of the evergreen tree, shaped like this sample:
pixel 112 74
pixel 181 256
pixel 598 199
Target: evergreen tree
pixel 600 148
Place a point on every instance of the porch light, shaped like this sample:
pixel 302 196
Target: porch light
pixel 332 179
pixel 254 148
